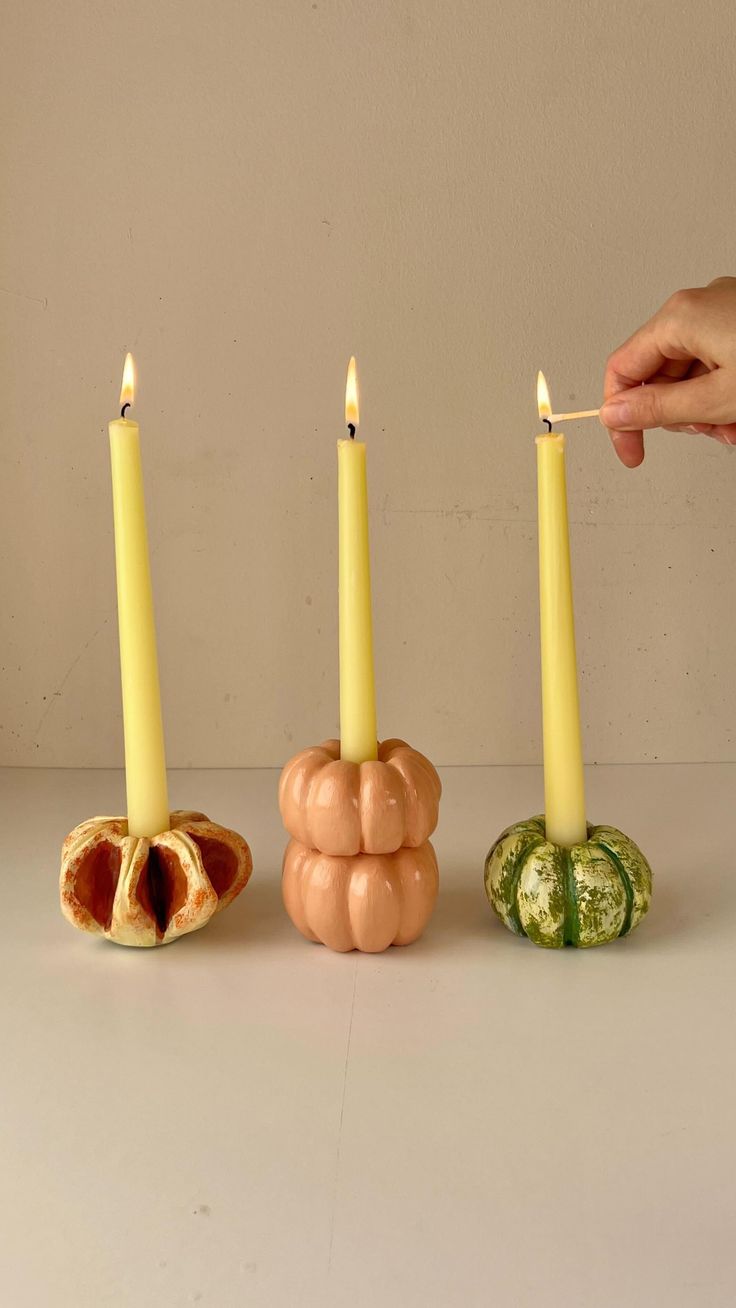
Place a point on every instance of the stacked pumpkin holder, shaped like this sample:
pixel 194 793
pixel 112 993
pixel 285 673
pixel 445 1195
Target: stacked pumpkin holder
pixel 359 871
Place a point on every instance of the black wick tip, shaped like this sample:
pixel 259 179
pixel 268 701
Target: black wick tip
pixel 125 406
pixel 351 429
pixel 548 425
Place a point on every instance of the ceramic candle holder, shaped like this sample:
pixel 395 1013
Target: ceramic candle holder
pixel 360 872
pixel 147 892
pixel 583 896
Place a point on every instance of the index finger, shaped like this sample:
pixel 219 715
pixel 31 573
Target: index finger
pixel 643 356
pixel 647 354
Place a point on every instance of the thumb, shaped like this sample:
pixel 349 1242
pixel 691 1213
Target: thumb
pixel 706 399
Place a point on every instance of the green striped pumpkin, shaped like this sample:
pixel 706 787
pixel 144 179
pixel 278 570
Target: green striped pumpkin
pixel 582 896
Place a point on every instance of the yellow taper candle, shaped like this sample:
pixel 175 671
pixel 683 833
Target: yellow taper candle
pixel 145 761
pixel 357 688
pixel 564 786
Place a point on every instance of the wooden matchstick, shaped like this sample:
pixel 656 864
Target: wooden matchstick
pixel 565 417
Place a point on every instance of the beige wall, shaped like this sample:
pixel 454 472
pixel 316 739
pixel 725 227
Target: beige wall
pixel 245 193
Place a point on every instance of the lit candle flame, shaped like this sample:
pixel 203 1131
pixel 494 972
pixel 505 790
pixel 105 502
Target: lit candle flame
pixel 352 417
pixel 127 390
pixel 543 400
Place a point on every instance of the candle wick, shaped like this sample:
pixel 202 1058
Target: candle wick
pixel 125 406
pixel 548 423
pixel 351 429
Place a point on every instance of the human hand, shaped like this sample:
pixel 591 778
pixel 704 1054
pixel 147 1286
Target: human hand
pixel 678 371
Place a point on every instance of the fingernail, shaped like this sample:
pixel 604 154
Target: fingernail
pixel 616 413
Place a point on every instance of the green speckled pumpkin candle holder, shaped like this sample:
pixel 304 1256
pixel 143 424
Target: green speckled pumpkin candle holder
pixel 582 896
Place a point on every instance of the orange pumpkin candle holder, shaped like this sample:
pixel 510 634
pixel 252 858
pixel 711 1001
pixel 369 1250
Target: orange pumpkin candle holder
pixel 359 871
pixel 145 892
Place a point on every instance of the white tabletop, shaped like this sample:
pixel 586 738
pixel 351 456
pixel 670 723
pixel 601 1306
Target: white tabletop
pixel 244 1118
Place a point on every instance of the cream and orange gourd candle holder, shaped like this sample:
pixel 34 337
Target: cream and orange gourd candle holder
pixel 555 878
pixel 152 876
pixel 359 871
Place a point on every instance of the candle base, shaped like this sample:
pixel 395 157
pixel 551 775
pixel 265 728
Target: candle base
pixel 583 896
pixel 360 872
pixel 147 892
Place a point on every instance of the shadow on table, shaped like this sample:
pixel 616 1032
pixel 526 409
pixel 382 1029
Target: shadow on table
pixel 681 909
pixel 256 917
pixel 686 909
pixel 462 913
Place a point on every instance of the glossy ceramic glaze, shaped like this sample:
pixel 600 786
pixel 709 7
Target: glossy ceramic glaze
pixel 146 892
pixel 585 895
pixel 363 901
pixel 349 808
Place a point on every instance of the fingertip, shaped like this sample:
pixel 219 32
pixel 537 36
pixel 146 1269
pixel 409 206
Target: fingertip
pixel 629 447
pixel 726 435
